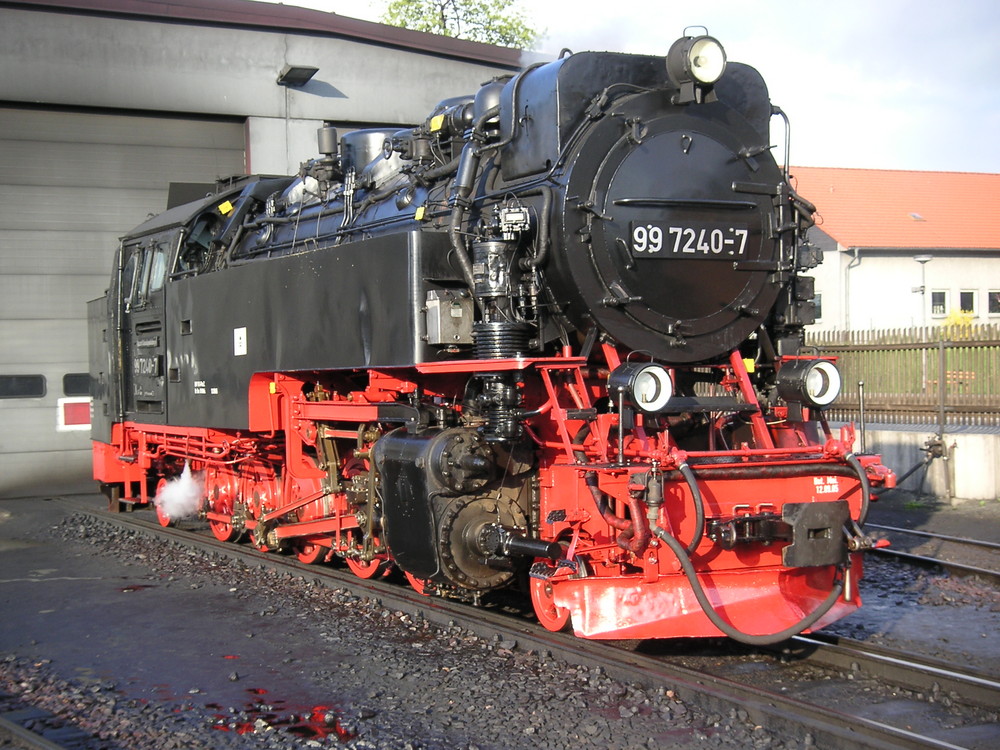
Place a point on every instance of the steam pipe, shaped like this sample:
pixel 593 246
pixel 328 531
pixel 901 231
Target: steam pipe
pixel 466 169
pixel 635 534
pixel 774 472
pixel 600 499
pixel 539 258
pixel 467 165
pixel 515 90
pixel 641 533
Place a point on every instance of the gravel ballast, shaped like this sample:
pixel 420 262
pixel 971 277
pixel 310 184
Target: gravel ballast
pixel 193 649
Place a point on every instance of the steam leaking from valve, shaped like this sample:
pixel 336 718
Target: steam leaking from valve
pixel 181 497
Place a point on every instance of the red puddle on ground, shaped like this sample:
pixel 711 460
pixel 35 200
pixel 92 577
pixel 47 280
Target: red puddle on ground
pixel 314 723
pixel 319 724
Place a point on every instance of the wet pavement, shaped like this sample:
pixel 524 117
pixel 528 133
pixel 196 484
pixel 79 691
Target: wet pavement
pixel 108 616
pixel 140 622
pixel 974 519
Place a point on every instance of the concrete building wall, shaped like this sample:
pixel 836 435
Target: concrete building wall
pixel 93 98
pixel 70 183
pixel 971 470
pixel 159 66
pixel 882 289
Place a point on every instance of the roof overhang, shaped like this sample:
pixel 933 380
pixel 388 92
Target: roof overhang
pixel 282 18
pixel 906 252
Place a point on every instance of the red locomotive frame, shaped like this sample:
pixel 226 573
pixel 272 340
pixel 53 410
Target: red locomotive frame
pixel 618 578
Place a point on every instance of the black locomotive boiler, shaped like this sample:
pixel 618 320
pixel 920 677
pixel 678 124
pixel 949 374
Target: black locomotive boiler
pixel 549 338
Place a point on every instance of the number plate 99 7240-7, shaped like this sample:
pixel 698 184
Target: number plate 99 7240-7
pixel 704 240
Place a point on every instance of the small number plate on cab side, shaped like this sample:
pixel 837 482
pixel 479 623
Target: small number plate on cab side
pixel 705 240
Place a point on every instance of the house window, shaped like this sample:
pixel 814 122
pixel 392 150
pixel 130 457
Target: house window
pixel 818 305
pixel 993 301
pixel 967 302
pixel 939 303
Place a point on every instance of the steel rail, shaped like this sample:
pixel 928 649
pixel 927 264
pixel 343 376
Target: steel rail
pixel 774 710
pixel 962 568
pixel 27 739
pixel 905 670
pixel 935 535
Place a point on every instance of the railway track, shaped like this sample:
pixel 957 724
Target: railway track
pixel 35 729
pixel 956 555
pixel 919 673
pixel 787 692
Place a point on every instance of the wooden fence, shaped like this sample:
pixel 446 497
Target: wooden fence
pixel 947 375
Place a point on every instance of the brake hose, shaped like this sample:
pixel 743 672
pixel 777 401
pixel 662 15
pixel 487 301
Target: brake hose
pixel 865 486
pixel 725 627
pixel 699 507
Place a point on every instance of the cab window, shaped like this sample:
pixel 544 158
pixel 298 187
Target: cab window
pixel 157 268
pixel 144 273
pixel 128 274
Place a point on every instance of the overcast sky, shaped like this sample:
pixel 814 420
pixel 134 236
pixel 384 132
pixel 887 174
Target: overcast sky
pixel 886 84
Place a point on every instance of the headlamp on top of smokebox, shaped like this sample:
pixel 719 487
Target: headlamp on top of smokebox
pixel 694 64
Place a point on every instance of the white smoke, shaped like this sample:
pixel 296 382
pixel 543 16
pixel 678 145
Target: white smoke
pixel 181 497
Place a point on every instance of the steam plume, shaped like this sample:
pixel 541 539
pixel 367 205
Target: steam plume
pixel 181 497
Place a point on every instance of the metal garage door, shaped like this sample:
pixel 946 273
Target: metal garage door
pixel 70 184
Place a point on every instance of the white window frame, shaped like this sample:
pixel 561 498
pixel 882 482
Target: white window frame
pixel 975 301
pixel 990 295
pixel 944 307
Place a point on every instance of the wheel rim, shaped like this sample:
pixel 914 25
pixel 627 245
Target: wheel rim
pixel 372 569
pixel 550 615
pixel 262 491
pixel 310 553
pixel 161 514
pixel 419 584
pixel 222 531
pixel 221 495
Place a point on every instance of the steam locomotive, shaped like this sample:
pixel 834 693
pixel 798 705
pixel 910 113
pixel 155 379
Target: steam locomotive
pixel 549 338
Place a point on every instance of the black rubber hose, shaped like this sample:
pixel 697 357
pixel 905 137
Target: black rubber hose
pixel 725 627
pixel 866 489
pixel 436 173
pixel 699 506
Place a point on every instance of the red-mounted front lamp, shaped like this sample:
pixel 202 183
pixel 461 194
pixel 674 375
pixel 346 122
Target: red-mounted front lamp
pixel 645 385
pixel 812 382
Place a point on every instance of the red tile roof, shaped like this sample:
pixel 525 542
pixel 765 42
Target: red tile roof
pixel 895 209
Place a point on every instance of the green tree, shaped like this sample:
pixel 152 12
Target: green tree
pixel 488 21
